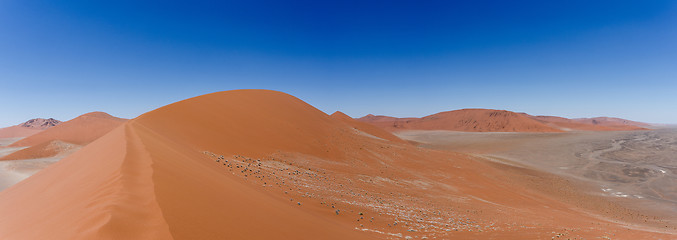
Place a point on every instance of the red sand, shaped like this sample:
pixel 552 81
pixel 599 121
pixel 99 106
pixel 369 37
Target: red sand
pixel 467 120
pixel 80 130
pixel 290 171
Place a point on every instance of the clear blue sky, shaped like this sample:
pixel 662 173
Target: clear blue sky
pixel 401 58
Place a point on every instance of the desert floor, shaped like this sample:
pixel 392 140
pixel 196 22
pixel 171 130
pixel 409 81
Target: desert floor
pixel 635 168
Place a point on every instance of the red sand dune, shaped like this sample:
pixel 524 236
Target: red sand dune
pixel 80 130
pixel 289 171
pixel 467 120
pixel 590 124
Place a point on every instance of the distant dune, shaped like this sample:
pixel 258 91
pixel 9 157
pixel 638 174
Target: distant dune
pixel 17 132
pixel 365 127
pixel 467 120
pixel 259 164
pixel 43 150
pixel 28 128
pixel 488 120
pixel 80 130
pixel 65 137
pixel 591 124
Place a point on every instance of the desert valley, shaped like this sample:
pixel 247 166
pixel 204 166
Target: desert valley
pixel 261 164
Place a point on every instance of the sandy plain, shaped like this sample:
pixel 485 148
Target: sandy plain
pixel 637 169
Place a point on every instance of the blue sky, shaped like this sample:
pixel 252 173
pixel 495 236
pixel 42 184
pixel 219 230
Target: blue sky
pixel 399 58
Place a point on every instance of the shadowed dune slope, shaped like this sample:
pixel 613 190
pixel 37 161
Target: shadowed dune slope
pixel 467 120
pixel 365 127
pixel 80 130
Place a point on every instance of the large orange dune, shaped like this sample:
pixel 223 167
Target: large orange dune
pixel 467 120
pixel 259 164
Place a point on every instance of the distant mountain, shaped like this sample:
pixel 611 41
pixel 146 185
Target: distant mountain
pixel 467 120
pixel 28 128
pixel 40 123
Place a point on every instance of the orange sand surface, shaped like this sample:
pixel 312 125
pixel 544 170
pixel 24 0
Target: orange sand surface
pixel 258 164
